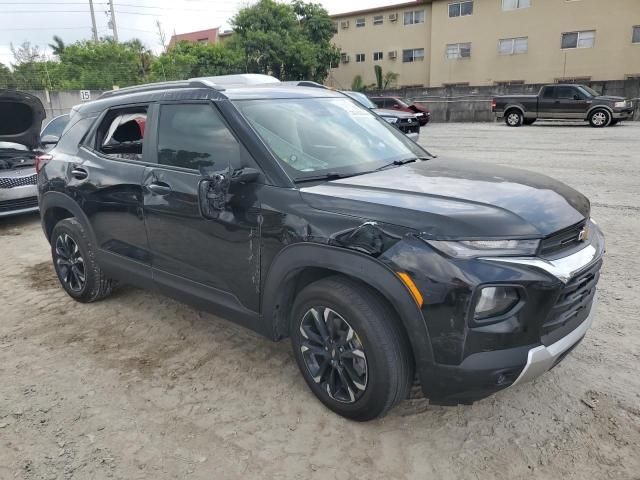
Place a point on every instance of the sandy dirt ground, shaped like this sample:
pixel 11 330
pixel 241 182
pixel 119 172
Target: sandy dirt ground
pixel 141 387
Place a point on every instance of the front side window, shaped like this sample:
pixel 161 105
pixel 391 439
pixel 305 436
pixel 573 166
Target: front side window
pixel 360 22
pixel 121 133
pixel 413 55
pixel 317 136
pixel 378 19
pixel 414 17
pixel 377 56
pixel 460 9
pixel 360 57
pixel 584 39
pixel 513 46
pixel 194 136
pixel 515 4
pixel 636 34
pixel 458 50
pixel 566 93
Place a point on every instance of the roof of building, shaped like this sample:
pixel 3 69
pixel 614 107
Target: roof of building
pixel 383 8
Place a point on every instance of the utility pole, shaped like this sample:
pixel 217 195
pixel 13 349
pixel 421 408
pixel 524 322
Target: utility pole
pixel 112 23
pixel 94 29
pixel 162 36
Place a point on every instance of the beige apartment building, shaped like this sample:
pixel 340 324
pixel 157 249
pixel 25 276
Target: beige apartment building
pixel 433 43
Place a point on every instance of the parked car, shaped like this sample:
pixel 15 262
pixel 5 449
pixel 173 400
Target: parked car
pixel 403 105
pixel 562 102
pixel 21 115
pixel 298 213
pixel 407 123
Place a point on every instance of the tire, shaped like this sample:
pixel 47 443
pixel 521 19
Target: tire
pixel 599 118
pixel 376 364
pixel 513 118
pixel 529 121
pixel 75 264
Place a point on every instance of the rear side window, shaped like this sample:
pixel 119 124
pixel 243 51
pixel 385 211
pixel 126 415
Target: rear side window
pixel 121 133
pixel 548 92
pixel 195 136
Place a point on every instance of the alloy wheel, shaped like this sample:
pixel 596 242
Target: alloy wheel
pixel 70 263
pixel 599 118
pixel 513 119
pixel 333 354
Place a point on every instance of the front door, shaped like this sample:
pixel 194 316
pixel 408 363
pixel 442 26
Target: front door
pixel 205 255
pixel 570 103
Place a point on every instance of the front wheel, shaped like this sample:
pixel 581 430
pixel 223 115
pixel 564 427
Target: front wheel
pixel 599 118
pixel 350 348
pixel 514 118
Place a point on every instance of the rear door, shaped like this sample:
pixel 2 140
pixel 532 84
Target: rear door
pixel 570 103
pixel 105 179
pixel 546 102
pixel 212 259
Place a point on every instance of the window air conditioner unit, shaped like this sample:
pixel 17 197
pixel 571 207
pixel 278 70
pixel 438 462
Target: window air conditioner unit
pixel 345 24
pixel 346 58
pixel 393 17
pixel 393 54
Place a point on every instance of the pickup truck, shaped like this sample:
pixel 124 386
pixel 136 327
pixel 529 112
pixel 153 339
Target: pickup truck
pixel 562 102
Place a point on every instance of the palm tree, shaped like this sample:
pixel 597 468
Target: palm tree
pixel 57 46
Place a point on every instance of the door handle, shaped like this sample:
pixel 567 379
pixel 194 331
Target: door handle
pixel 159 188
pixel 79 173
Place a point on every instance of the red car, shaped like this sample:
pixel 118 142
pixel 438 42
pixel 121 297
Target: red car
pixel 404 105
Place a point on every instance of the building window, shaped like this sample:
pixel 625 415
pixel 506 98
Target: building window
pixel 458 50
pixel 378 19
pixel 515 4
pixel 513 46
pixel 413 55
pixel 636 34
pixel 414 17
pixel 360 57
pixel 507 83
pixel 585 39
pixel 460 9
pixel 360 22
pixel 377 56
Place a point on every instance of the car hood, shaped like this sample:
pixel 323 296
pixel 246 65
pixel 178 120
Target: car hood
pixel 21 116
pixel 610 98
pixel 446 198
pixel 385 112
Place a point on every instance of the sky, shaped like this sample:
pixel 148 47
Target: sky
pixel 37 21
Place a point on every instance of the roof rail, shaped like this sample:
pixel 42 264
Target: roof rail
pixel 150 87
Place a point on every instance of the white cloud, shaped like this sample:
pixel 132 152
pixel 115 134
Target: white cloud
pixel 135 19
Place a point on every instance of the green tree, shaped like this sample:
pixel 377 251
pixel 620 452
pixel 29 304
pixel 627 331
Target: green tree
pixel 6 77
pixel 291 42
pixel 57 46
pixel 188 59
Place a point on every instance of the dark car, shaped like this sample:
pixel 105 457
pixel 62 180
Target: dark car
pixel 562 102
pixel 403 105
pixel 21 115
pixel 298 213
pixel 407 123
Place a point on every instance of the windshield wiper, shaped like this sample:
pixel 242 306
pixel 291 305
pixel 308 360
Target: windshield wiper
pixel 399 162
pixel 324 176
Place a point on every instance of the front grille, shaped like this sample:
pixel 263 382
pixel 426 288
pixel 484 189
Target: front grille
pixel 12 182
pixel 19 204
pixel 572 306
pixel 409 125
pixel 562 240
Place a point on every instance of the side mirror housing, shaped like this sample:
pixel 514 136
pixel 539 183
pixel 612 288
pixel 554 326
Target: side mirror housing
pixel 245 175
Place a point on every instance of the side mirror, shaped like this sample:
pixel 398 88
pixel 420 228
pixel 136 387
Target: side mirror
pixel 577 97
pixel 49 140
pixel 245 175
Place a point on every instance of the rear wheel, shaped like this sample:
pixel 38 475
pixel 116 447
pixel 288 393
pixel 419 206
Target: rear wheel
pixel 74 262
pixel 350 349
pixel 514 118
pixel 599 118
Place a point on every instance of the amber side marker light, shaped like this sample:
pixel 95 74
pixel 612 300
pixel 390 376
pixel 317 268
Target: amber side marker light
pixel 417 296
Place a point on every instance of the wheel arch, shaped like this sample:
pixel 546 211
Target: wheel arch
pixel 55 206
pixel 599 107
pixel 298 265
pixel 514 107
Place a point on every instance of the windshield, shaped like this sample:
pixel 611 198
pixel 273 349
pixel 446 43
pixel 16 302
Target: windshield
pixel 362 99
pixel 589 92
pixel 56 126
pixel 406 102
pixel 317 136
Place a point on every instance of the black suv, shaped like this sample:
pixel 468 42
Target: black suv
pixel 298 213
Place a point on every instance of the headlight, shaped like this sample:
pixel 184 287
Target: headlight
pixel 391 119
pixel 494 301
pixel 486 248
pixel 620 104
